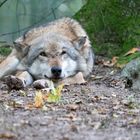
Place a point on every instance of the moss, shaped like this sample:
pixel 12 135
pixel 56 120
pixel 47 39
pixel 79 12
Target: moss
pixel 112 25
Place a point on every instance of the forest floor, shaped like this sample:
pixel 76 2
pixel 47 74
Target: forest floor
pixel 102 109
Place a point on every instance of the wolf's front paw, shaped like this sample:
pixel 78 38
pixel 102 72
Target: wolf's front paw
pixel 13 82
pixel 39 84
pixel 76 79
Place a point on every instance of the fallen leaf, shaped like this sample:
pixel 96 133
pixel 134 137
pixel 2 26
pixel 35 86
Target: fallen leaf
pixel 133 50
pixel 29 106
pixel 16 103
pixel 112 62
pixel 115 115
pixel 71 117
pixel 7 135
pixel 102 110
pixel 72 107
pixel 96 77
pixel 96 125
pixel 49 95
pixel 45 108
pixel 113 94
pixel 38 100
pixel 96 98
pixel 55 94
pixel 134 121
pixel 118 65
pixel 22 93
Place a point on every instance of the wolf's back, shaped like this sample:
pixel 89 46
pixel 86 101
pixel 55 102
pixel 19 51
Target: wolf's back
pixel 67 27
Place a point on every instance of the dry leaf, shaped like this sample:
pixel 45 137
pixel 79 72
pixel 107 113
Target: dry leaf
pixel 29 106
pixel 71 116
pixel 112 62
pixel 50 95
pixel 115 115
pixel 96 77
pixel 133 50
pixel 7 135
pixel 134 121
pixel 120 65
pixel 72 107
pixel 16 103
pixel 38 100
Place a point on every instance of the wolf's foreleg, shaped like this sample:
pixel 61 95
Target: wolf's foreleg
pixel 8 65
pixel 20 80
pixel 25 77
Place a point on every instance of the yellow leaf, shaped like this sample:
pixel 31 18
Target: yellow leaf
pixel 114 60
pixel 55 94
pixel 59 89
pixel 133 50
pixel 38 100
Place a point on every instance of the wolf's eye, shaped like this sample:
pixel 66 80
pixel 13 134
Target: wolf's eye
pixel 43 54
pixel 63 52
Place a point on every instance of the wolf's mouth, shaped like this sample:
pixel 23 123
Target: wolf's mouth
pixel 54 78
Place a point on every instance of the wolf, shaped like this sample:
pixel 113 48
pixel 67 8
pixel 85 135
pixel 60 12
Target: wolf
pixel 55 51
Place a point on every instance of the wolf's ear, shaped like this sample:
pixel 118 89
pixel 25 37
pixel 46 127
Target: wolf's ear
pixel 80 42
pixel 21 48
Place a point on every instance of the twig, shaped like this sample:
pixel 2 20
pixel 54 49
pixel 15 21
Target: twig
pixel 3 2
pixel 53 12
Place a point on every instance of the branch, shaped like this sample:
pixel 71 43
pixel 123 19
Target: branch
pixel 3 2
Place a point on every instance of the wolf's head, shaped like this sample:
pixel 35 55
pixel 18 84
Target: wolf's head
pixel 54 56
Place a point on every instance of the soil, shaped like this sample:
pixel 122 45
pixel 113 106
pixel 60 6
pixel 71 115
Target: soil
pixel 102 109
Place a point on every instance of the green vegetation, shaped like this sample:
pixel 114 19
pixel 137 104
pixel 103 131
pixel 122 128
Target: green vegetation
pixel 5 50
pixel 113 25
pixel 125 59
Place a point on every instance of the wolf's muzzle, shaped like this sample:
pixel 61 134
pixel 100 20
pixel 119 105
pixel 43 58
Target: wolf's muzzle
pixel 56 72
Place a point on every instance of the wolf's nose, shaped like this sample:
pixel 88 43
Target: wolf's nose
pixel 56 71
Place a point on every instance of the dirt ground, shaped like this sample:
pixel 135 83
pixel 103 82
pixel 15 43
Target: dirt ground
pixel 100 110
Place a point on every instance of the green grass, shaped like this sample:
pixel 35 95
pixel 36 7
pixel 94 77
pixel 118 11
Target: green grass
pixel 112 25
pixel 126 59
pixel 5 50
